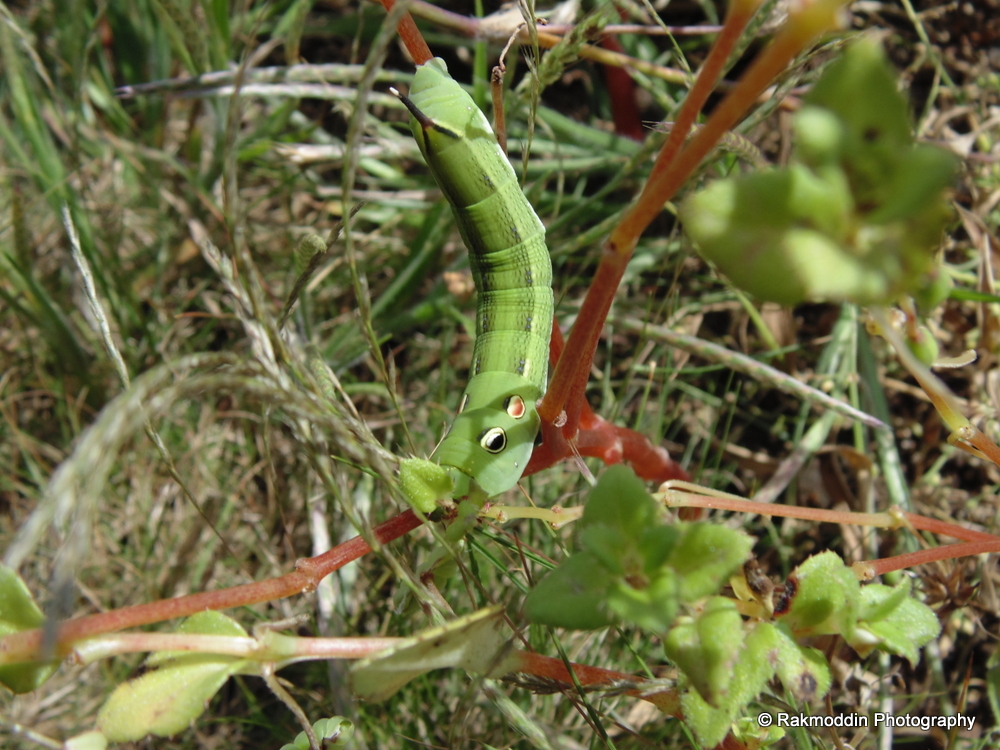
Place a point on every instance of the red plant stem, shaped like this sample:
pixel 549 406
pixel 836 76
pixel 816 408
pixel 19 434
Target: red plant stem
pixel 943 528
pixel 946 552
pixel 554 447
pixel 566 391
pixel 410 35
pixel 987 446
pixel 550 668
pixel 621 91
pixel 879 520
pixel 26 645
pixel 598 438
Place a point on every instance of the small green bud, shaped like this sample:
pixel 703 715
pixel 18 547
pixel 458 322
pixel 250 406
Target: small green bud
pixel 923 346
pixel 819 135
pixel 936 291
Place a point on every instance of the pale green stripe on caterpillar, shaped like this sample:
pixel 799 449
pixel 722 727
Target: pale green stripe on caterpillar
pixel 492 437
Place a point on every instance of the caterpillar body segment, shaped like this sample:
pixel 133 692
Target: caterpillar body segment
pixel 492 438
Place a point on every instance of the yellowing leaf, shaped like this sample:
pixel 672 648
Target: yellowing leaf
pixel 166 700
pixel 473 643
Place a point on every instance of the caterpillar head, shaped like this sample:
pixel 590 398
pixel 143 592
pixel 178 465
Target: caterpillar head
pixel 493 436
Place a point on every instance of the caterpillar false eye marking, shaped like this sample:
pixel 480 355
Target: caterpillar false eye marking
pixel 493 440
pixel 514 406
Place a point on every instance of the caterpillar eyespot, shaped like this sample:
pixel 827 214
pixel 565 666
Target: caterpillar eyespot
pixel 513 274
pixel 514 406
pixel 494 440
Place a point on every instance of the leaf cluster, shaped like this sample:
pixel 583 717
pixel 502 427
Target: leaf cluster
pixel 858 213
pixel 632 566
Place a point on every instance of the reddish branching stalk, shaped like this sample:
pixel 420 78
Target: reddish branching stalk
pixel 569 380
pixel 598 438
pixel 27 645
pixel 569 426
pixel 564 407
pixel 972 542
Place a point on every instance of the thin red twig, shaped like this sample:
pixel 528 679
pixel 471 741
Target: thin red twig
pixel 26 645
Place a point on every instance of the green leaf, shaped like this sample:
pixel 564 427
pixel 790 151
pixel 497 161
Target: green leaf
pixel 751 672
pixel 705 557
pixel 893 621
pixel 18 612
pixel 879 601
pixel 168 699
pixel 792 220
pixel 860 89
pixel 821 596
pixel 751 733
pixel 616 552
pixel 620 501
pixel 706 648
pixel 573 595
pixel 474 643
pixel 916 185
pixel 858 213
pixel 652 607
pixel 819 135
pixel 333 733
pixel 336 730
pixel 633 567
pixel 657 544
pixel 165 701
pixel 803 671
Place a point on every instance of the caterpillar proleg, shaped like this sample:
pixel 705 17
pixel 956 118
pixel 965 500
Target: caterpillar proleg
pixel 492 437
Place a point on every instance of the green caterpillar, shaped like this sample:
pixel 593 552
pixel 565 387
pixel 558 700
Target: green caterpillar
pixel 492 437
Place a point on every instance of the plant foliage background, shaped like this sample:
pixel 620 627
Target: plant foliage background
pixel 146 179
